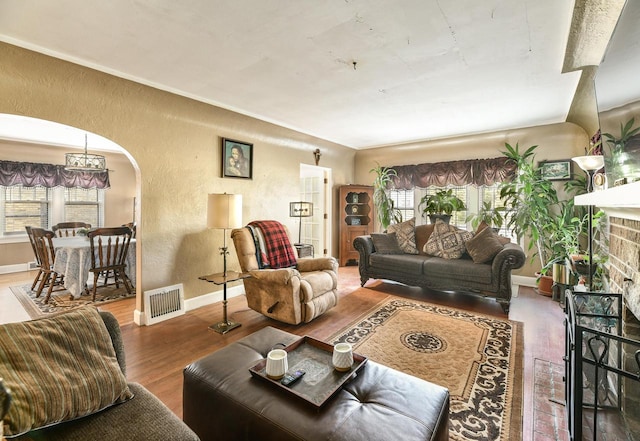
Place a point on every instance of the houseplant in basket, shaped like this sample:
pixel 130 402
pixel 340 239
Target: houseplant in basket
pixel 441 205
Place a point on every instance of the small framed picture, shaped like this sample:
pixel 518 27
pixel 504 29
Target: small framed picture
pixel 355 221
pixel 237 159
pixel 556 170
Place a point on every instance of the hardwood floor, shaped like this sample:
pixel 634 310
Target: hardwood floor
pixel 157 354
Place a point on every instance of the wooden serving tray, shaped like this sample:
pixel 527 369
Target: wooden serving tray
pixel 321 380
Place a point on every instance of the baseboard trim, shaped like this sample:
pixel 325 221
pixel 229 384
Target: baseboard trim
pixel 524 281
pixel 16 268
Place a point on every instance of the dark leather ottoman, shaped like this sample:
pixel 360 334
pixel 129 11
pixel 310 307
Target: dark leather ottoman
pixel 221 400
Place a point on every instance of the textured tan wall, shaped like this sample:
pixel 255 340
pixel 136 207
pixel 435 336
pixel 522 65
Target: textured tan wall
pixel 175 144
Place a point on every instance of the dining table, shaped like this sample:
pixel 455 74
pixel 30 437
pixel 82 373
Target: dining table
pixel 73 261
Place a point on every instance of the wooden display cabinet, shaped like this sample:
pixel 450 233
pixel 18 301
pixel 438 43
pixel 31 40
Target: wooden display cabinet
pixel 356 219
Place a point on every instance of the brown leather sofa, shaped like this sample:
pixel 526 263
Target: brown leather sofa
pixel 221 400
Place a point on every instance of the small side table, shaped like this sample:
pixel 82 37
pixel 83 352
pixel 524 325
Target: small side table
pixel 222 279
pixel 304 249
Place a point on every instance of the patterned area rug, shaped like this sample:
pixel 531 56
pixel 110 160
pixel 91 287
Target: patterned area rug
pixel 61 300
pixel 478 358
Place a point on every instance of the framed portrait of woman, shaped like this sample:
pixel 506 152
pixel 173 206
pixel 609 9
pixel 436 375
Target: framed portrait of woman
pixel 237 159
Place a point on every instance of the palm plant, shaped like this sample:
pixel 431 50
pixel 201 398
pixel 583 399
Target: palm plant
pixel 532 201
pixel 385 210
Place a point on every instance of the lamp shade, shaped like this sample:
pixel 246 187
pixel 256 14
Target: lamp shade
pixel 589 162
pixel 224 211
pixel 300 209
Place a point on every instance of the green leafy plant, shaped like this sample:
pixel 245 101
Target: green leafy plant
pixel 616 157
pixel 488 214
pixel 442 202
pixel 556 227
pixel 532 201
pixel 385 210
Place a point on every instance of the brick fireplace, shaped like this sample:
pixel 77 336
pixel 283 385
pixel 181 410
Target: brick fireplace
pixel 624 275
pixel 622 206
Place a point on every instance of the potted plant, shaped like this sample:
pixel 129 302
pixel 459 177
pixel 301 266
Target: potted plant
pixel 441 205
pixel 385 209
pixel 534 205
pixel 617 161
pixel 492 216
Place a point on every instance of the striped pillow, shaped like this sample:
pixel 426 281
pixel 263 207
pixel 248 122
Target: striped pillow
pixel 58 369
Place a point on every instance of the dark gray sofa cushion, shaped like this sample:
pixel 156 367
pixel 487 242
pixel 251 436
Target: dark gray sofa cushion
pixel 400 263
pixel 457 270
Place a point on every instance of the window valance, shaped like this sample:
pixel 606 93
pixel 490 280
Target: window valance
pixel 32 174
pixel 440 174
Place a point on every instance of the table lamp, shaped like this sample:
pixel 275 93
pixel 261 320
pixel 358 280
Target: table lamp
pixel 224 211
pixel 300 210
pixel 590 164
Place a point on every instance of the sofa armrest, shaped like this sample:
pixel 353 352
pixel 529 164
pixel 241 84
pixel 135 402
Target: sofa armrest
pixel 113 327
pixel 280 276
pixel 511 257
pixel 317 264
pixel 365 248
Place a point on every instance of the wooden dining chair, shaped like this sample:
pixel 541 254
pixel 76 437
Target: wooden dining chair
pixel 35 252
pixel 67 229
pixel 131 225
pixel 109 250
pixel 44 249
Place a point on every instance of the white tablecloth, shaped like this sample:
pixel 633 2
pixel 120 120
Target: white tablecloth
pixel 73 260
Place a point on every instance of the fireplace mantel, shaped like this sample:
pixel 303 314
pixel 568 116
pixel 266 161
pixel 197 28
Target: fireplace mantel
pixel 622 201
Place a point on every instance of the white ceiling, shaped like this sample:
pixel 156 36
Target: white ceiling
pixel 362 73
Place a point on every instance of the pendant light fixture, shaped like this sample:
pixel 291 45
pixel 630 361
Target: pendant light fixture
pixel 85 162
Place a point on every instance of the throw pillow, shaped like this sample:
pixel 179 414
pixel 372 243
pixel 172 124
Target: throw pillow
pixel 447 241
pixel 423 233
pixel 406 235
pixel 484 246
pixel 59 369
pixel 386 243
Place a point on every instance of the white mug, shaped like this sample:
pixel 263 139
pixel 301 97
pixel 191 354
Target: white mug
pixel 276 364
pixel 342 357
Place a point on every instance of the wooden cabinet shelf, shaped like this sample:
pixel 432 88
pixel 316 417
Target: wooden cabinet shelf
pixel 356 218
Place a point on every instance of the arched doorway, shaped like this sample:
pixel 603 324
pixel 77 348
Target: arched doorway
pixel 25 139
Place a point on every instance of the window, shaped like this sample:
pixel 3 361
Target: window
pixel 403 200
pixel 473 198
pixel 44 207
pixel 459 218
pixel 491 194
pixel 83 205
pixel 23 206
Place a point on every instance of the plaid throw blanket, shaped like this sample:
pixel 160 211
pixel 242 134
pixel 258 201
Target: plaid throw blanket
pixel 278 248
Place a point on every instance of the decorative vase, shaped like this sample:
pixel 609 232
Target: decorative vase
pixel 445 218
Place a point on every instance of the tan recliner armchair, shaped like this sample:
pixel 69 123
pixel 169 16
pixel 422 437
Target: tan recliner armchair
pixel 288 295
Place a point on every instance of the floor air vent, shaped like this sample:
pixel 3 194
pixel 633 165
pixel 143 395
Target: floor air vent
pixel 163 303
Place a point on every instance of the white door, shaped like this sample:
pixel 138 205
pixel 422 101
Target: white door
pixel 315 185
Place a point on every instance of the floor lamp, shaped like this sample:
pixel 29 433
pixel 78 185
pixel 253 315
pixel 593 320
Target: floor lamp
pixel 300 210
pixel 590 164
pixel 224 211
